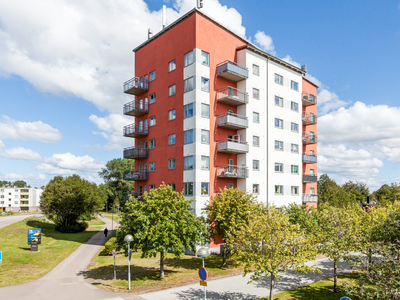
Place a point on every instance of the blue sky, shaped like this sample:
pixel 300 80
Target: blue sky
pixel 63 63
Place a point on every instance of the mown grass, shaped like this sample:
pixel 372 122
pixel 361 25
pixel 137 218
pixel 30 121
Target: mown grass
pixel 20 265
pixel 95 221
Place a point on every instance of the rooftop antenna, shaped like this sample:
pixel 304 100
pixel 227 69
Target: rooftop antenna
pixel 149 33
pixel 199 4
pixel 164 16
pixel 304 68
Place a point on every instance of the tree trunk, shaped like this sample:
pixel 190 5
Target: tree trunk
pixel 162 265
pixel 224 257
pixel 334 277
pixel 271 296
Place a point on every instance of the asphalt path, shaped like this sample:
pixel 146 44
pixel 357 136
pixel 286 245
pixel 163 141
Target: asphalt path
pixel 8 220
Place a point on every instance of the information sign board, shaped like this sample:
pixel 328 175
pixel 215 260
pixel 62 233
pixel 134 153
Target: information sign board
pixel 203 283
pixel 203 273
pixel 1 257
pixel 34 236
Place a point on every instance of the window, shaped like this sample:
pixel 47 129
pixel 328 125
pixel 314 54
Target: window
pixel 278 79
pixel 145 145
pixel 188 110
pixel 172 65
pixel 256 141
pixel 295 190
pixel 152 98
pixel 278 101
pixel 205 110
pixel 152 166
pixel 189 84
pixel 279 167
pixel 312 191
pixel 172 185
pixel 205 86
pixel 189 58
pixel 152 121
pixel 295 169
pixel 295 148
pixel 312 172
pixel 205 136
pixel 256 117
pixel 16 191
pixel 294 85
pixel 205 58
pixel 152 75
pixel 171 114
pixel 256 93
pixel 255 189
pixel 256 165
pixel 171 139
pixel 295 127
pixel 188 163
pixel 171 163
pixel 279 145
pixel 172 90
pixel 205 162
pixel 231 186
pixel 152 143
pixel 152 187
pixel 145 188
pixel 294 106
pixel 279 190
pixel 256 70
pixel 188 136
pixel 15 202
pixel 204 188
pixel 278 123
pixel 188 188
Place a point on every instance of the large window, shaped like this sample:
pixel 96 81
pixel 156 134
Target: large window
pixel 278 79
pixel 295 190
pixel 205 110
pixel 256 70
pixel 204 188
pixel 278 123
pixel 256 141
pixel 279 189
pixel 295 148
pixel 189 84
pixel 171 139
pixel 172 65
pixel 256 165
pixel 189 58
pixel 256 189
pixel 294 85
pixel 152 166
pixel 188 188
pixel 152 187
pixel 278 101
pixel 205 136
pixel 294 106
pixel 279 167
pixel 256 93
pixel 188 136
pixel 171 163
pixel 188 110
pixel 279 145
pixel 152 75
pixel 295 127
pixel 295 169
pixel 188 163
pixel 171 114
pixel 205 162
pixel 205 58
pixel 152 121
pixel 172 90
pixel 152 98
pixel 256 117
pixel 152 143
pixel 205 84
pixel 172 185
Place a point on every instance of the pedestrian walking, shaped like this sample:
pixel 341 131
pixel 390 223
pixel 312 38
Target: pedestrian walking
pixel 105 232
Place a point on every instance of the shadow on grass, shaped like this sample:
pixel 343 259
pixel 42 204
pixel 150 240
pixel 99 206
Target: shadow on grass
pixel 25 248
pixel 193 263
pixel 195 294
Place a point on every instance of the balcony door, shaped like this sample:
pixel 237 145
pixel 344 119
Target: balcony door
pixel 231 165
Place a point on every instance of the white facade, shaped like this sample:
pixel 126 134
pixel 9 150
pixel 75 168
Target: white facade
pixel 19 199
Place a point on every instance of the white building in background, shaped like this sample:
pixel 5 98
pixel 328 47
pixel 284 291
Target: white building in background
pixel 19 199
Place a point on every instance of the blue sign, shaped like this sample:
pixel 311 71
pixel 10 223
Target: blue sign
pixel 34 236
pixel 203 273
pixel 345 298
pixel 1 258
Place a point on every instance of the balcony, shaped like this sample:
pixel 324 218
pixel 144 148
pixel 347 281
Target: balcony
pixel 309 158
pixel 136 130
pixel 136 175
pixel 309 99
pixel 136 108
pixel 230 171
pixel 310 178
pixel 309 118
pixel 232 121
pixel 232 96
pixel 307 198
pixel 137 196
pixel 309 138
pixel 232 146
pixel 136 86
pixel 232 71
pixel 136 153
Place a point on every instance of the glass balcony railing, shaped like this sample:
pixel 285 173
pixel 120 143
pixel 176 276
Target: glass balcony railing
pixel 136 108
pixel 136 130
pixel 309 158
pixel 231 171
pixel 308 198
pixel 136 86
pixel 136 175
pixel 232 146
pixel 232 71
pixel 136 153
pixel 307 178
pixel 232 96
pixel 232 121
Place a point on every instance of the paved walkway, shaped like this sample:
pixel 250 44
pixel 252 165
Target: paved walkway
pixel 8 220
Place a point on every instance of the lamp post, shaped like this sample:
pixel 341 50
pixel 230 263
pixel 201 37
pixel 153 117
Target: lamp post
pixel 203 252
pixel 129 238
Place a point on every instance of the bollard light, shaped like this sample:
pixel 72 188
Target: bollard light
pixel 129 238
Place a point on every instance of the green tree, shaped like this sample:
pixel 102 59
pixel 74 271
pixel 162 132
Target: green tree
pixel 359 190
pixel 20 183
pixel 302 215
pixel 331 193
pixel 160 223
pixel 387 194
pixel 5 183
pixel 269 244
pixel 66 200
pixel 228 211
pixel 113 176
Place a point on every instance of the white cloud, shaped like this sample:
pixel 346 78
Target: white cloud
pixel 314 80
pixel 328 101
pixel 20 153
pixel 30 179
pixel 37 130
pixel 265 41
pixel 290 60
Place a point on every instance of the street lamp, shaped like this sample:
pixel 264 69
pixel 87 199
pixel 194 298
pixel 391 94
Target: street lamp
pixel 129 238
pixel 203 252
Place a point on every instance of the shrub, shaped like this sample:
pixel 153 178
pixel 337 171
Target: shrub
pixel 109 246
pixel 77 227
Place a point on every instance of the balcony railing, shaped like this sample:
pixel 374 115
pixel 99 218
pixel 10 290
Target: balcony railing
pixel 309 118
pixel 309 178
pixel 136 175
pixel 232 146
pixel 137 196
pixel 309 138
pixel 136 86
pixel 307 198
pixel 232 121
pixel 136 108
pixel 309 99
pixel 136 130
pixel 309 158
pixel 230 171
pixel 232 96
pixel 232 71
pixel 136 153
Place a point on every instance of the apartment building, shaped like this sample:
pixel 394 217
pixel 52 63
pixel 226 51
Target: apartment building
pixel 211 110
pixel 17 199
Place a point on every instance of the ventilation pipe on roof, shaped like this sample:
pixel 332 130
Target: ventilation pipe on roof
pixel 199 4
pixel 304 68
pixel 164 16
pixel 149 33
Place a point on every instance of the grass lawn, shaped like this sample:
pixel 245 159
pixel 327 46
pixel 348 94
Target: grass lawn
pixel 145 272
pixel 20 265
pixel 20 213
pixel 95 221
